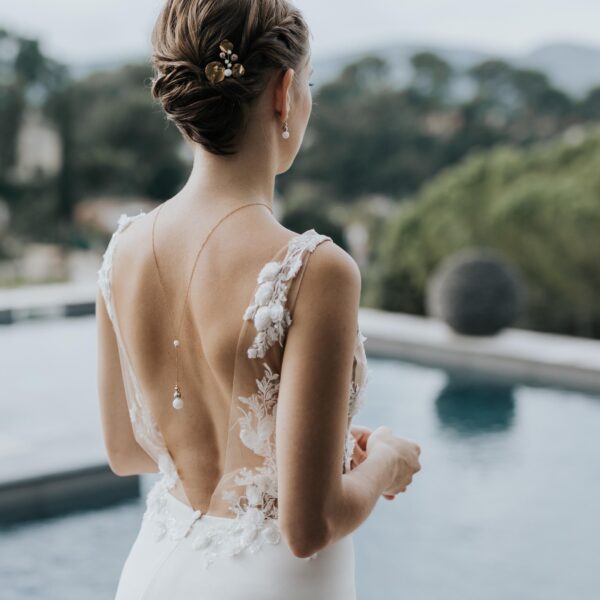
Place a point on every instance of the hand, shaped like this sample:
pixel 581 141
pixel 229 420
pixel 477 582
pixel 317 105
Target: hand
pixel 403 455
pixel 361 435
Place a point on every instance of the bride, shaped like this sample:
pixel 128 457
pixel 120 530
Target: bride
pixel 230 357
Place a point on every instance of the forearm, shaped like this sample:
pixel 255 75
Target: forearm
pixel 357 495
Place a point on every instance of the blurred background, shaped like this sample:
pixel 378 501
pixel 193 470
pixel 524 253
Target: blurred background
pixel 454 151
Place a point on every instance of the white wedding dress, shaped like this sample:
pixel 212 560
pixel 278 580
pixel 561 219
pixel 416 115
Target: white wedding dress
pixel 233 550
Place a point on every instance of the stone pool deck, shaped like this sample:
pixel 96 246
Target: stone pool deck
pixel 71 473
pixel 51 300
pixel 536 357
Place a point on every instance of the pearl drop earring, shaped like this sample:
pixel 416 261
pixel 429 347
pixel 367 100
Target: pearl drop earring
pixel 285 134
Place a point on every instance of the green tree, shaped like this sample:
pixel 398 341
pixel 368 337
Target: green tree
pixel 122 141
pixel 431 76
pixel 300 219
pixel 590 105
pixel 538 208
pixel 365 136
pixel 516 104
pixel 26 77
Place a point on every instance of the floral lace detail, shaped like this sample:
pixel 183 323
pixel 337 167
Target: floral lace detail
pixel 257 432
pixel 356 399
pixel 357 388
pixel 156 504
pixel 255 522
pixel 257 424
pixel 104 272
pixel 145 429
pixel 230 537
pixel 268 310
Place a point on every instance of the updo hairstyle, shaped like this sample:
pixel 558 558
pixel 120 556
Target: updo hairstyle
pixel 267 36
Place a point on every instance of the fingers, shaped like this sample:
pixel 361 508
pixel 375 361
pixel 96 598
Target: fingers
pixel 361 435
pixel 359 452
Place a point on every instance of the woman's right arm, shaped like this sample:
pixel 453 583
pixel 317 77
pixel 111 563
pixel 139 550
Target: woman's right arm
pixel 317 503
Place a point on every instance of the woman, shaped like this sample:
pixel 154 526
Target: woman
pixel 263 477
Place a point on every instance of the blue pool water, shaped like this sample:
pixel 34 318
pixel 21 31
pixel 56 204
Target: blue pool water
pixel 506 506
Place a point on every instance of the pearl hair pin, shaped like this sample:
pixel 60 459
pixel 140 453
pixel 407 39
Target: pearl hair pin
pixel 216 71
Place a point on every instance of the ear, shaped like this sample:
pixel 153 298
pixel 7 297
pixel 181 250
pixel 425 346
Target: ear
pixel 283 94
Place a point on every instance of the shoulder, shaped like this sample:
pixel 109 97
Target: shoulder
pixel 129 232
pixel 331 265
pixel 326 302
pixel 331 278
pixel 123 223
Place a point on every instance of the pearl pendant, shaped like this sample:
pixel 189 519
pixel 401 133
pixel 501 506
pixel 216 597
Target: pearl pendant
pixel 177 399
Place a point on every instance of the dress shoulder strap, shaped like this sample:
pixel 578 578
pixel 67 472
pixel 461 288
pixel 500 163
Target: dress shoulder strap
pixel 268 310
pixel 105 270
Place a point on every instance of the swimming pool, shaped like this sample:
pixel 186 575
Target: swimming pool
pixel 506 506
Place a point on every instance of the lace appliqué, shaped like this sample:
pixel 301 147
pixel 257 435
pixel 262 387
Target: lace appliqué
pixel 105 270
pixel 268 310
pixel 255 522
pixel 257 432
pixel 156 504
pixel 356 399
pixel 358 386
pixel 144 427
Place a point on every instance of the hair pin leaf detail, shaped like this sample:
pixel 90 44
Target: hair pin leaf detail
pixel 216 71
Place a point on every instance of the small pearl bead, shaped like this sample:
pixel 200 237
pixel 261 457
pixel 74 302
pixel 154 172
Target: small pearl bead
pixel 176 343
pixel 227 72
pixel 285 135
pixel 177 403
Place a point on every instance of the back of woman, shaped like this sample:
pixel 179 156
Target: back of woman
pixel 230 357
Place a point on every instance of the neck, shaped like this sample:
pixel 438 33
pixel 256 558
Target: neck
pixel 228 181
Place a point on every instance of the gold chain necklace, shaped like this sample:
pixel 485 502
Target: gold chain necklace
pixel 177 398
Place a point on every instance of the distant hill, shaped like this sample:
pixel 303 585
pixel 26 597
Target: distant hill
pixel 398 56
pixel 574 68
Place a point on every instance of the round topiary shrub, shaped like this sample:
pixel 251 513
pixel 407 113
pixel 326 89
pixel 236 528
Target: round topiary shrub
pixel 475 292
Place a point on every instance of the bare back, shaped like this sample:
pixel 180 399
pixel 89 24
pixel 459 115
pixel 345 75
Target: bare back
pixel 218 452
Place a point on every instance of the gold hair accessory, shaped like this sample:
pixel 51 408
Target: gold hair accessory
pixel 216 71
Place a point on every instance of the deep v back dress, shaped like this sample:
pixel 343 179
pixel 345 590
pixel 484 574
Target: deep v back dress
pixel 232 549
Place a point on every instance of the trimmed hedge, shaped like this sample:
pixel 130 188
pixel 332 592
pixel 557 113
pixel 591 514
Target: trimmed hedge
pixel 475 292
pixel 538 208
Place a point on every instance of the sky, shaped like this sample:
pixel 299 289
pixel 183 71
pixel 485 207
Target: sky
pixel 91 31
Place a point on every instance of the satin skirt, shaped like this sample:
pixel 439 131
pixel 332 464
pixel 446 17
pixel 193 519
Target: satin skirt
pixel 168 569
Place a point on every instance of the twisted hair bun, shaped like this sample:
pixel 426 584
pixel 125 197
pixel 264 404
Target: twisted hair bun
pixel 267 35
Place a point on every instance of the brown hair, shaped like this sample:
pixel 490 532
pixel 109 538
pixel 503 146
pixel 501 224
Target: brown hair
pixel 267 35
